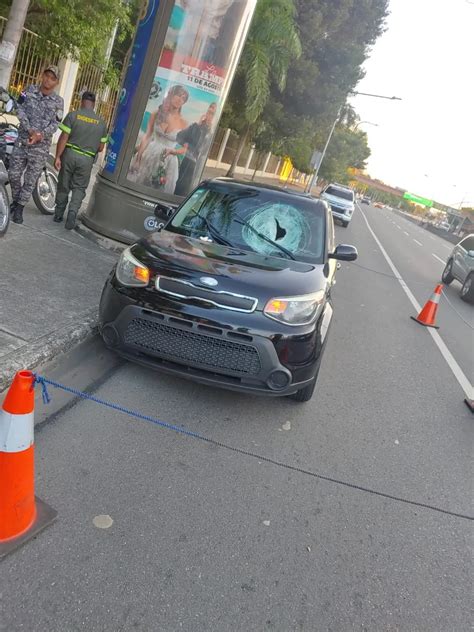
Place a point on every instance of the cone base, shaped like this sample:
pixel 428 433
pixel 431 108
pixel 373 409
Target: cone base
pixel 422 323
pixel 470 404
pixel 45 515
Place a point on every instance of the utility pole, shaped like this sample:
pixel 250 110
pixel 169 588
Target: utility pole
pixel 11 39
pixel 314 177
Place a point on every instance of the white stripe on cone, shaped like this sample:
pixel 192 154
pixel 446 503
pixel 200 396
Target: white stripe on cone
pixel 16 431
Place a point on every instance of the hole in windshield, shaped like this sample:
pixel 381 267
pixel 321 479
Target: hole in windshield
pixel 263 221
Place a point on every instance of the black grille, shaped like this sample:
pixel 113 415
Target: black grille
pixel 193 349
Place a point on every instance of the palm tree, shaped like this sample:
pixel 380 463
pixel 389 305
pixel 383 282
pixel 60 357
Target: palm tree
pixel 273 42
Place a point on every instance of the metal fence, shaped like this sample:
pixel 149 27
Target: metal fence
pixel 92 78
pixel 30 60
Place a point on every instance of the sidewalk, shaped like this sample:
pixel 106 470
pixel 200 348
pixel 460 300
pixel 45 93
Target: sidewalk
pixel 50 286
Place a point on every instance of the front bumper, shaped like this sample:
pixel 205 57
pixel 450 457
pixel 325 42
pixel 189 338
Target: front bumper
pixel 189 347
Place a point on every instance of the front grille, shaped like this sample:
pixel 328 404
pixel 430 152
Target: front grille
pixel 186 290
pixel 338 209
pixel 193 349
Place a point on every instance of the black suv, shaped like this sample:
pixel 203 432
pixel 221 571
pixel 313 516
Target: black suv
pixel 234 291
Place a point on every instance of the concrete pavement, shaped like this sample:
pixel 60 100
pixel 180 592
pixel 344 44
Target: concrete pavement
pixel 207 539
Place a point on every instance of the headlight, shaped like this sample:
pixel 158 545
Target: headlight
pixel 295 310
pixel 131 272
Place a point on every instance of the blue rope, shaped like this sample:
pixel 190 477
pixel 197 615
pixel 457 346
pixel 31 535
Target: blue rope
pixel 44 382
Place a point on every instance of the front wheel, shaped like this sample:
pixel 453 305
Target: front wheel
pixel 447 276
pixel 44 193
pixel 4 211
pixel 306 393
pixel 467 290
pixel 345 224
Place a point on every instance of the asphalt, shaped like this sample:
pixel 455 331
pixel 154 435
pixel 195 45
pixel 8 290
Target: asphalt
pixel 204 538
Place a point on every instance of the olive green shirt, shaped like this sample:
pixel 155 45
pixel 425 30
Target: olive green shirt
pixel 86 129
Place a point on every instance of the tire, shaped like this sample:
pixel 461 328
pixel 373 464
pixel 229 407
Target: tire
pixel 447 276
pixel 44 193
pixel 306 393
pixel 345 224
pixel 467 290
pixel 4 211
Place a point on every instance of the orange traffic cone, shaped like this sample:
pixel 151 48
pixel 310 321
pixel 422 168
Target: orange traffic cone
pixel 427 316
pixel 22 516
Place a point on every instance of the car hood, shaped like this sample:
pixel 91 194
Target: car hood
pixel 337 201
pixel 236 271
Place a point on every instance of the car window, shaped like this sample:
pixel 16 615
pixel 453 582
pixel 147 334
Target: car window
pixel 242 215
pixel 342 193
pixel 468 243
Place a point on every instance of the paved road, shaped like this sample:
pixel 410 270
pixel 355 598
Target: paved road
pixel 207 539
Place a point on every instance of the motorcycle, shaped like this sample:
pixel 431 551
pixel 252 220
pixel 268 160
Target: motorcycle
pixel 44 193
pixel 4 198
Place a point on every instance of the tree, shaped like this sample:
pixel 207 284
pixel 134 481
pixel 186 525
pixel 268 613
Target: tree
pixel 348 148
pixel 336 37
pixel 272 44
pixel 11 39
pixel 80 28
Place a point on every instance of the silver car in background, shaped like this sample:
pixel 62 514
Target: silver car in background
pixel 460 267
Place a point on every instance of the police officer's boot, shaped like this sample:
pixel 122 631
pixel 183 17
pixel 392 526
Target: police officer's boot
pixel 17 212
pixel 71 220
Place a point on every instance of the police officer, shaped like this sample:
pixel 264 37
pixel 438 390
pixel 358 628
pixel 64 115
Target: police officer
pixel 40 110
pixel 84 134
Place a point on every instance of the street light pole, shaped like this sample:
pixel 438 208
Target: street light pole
pixel 351 92
pixel 314 177
pixel 366 122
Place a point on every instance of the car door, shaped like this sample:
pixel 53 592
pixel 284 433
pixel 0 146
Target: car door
pixel 462 261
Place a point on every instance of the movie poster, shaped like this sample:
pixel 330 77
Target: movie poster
pixel 186 96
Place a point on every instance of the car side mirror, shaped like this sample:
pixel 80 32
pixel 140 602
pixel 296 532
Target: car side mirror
pixel 9 106
pixel 163 211
pixel 470 253
pixel 344 252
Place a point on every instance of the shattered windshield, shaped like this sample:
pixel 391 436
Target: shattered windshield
pixel 261 220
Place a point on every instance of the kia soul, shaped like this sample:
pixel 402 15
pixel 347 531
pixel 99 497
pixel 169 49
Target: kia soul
pixel 234 291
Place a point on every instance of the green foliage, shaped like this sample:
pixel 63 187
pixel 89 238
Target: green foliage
pixel 272 44
pixel 80 28
pixel 348 148
pixel 335 36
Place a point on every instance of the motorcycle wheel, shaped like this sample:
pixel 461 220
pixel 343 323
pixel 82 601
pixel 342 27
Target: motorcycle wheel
pixel 44 193
pixel 4 211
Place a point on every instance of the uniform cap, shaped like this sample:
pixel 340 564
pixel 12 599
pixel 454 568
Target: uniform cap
pixel 54 69
pixel 88 96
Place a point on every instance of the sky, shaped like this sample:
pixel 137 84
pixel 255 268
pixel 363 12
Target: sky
pixel 424 143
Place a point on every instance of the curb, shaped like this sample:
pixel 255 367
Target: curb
pixel 100 240
pixel 47 347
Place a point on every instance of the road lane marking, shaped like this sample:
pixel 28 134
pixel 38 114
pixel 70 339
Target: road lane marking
pixel 431 237
pixel 448 247
pixel 446 353
pixel 417 242
pixel 399 227
pixel 408 234
pixel 439 258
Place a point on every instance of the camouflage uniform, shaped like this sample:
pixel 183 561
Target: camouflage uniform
pixel 43 114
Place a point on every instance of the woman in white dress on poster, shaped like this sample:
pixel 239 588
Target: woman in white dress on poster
pixel 156 161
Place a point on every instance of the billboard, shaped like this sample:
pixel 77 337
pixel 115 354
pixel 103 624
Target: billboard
pixel 186 95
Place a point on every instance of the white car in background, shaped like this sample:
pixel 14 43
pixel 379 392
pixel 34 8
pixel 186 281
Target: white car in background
pixel 341 199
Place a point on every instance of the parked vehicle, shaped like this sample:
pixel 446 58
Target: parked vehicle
pixel 365 200
pixel 444 226
pixel 460 267
pixel 44 193
pixel 341 200
pixel 6 105
pixel 234 291
pixel 378 205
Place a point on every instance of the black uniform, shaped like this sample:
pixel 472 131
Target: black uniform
pixel 87 131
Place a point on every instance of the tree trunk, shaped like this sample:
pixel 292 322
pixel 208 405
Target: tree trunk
pixel 258 164
pixel 238 153
pixel 11 39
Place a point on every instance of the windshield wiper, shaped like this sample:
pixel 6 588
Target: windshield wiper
pixel 289 254
pixel 215 234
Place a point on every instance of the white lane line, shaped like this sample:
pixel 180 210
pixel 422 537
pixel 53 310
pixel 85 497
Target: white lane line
pixel 448 247
pixel 446 353
pixel 439 258
pixel 431 237
pixel 408 234
pixel 399 227
pixel 417 242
